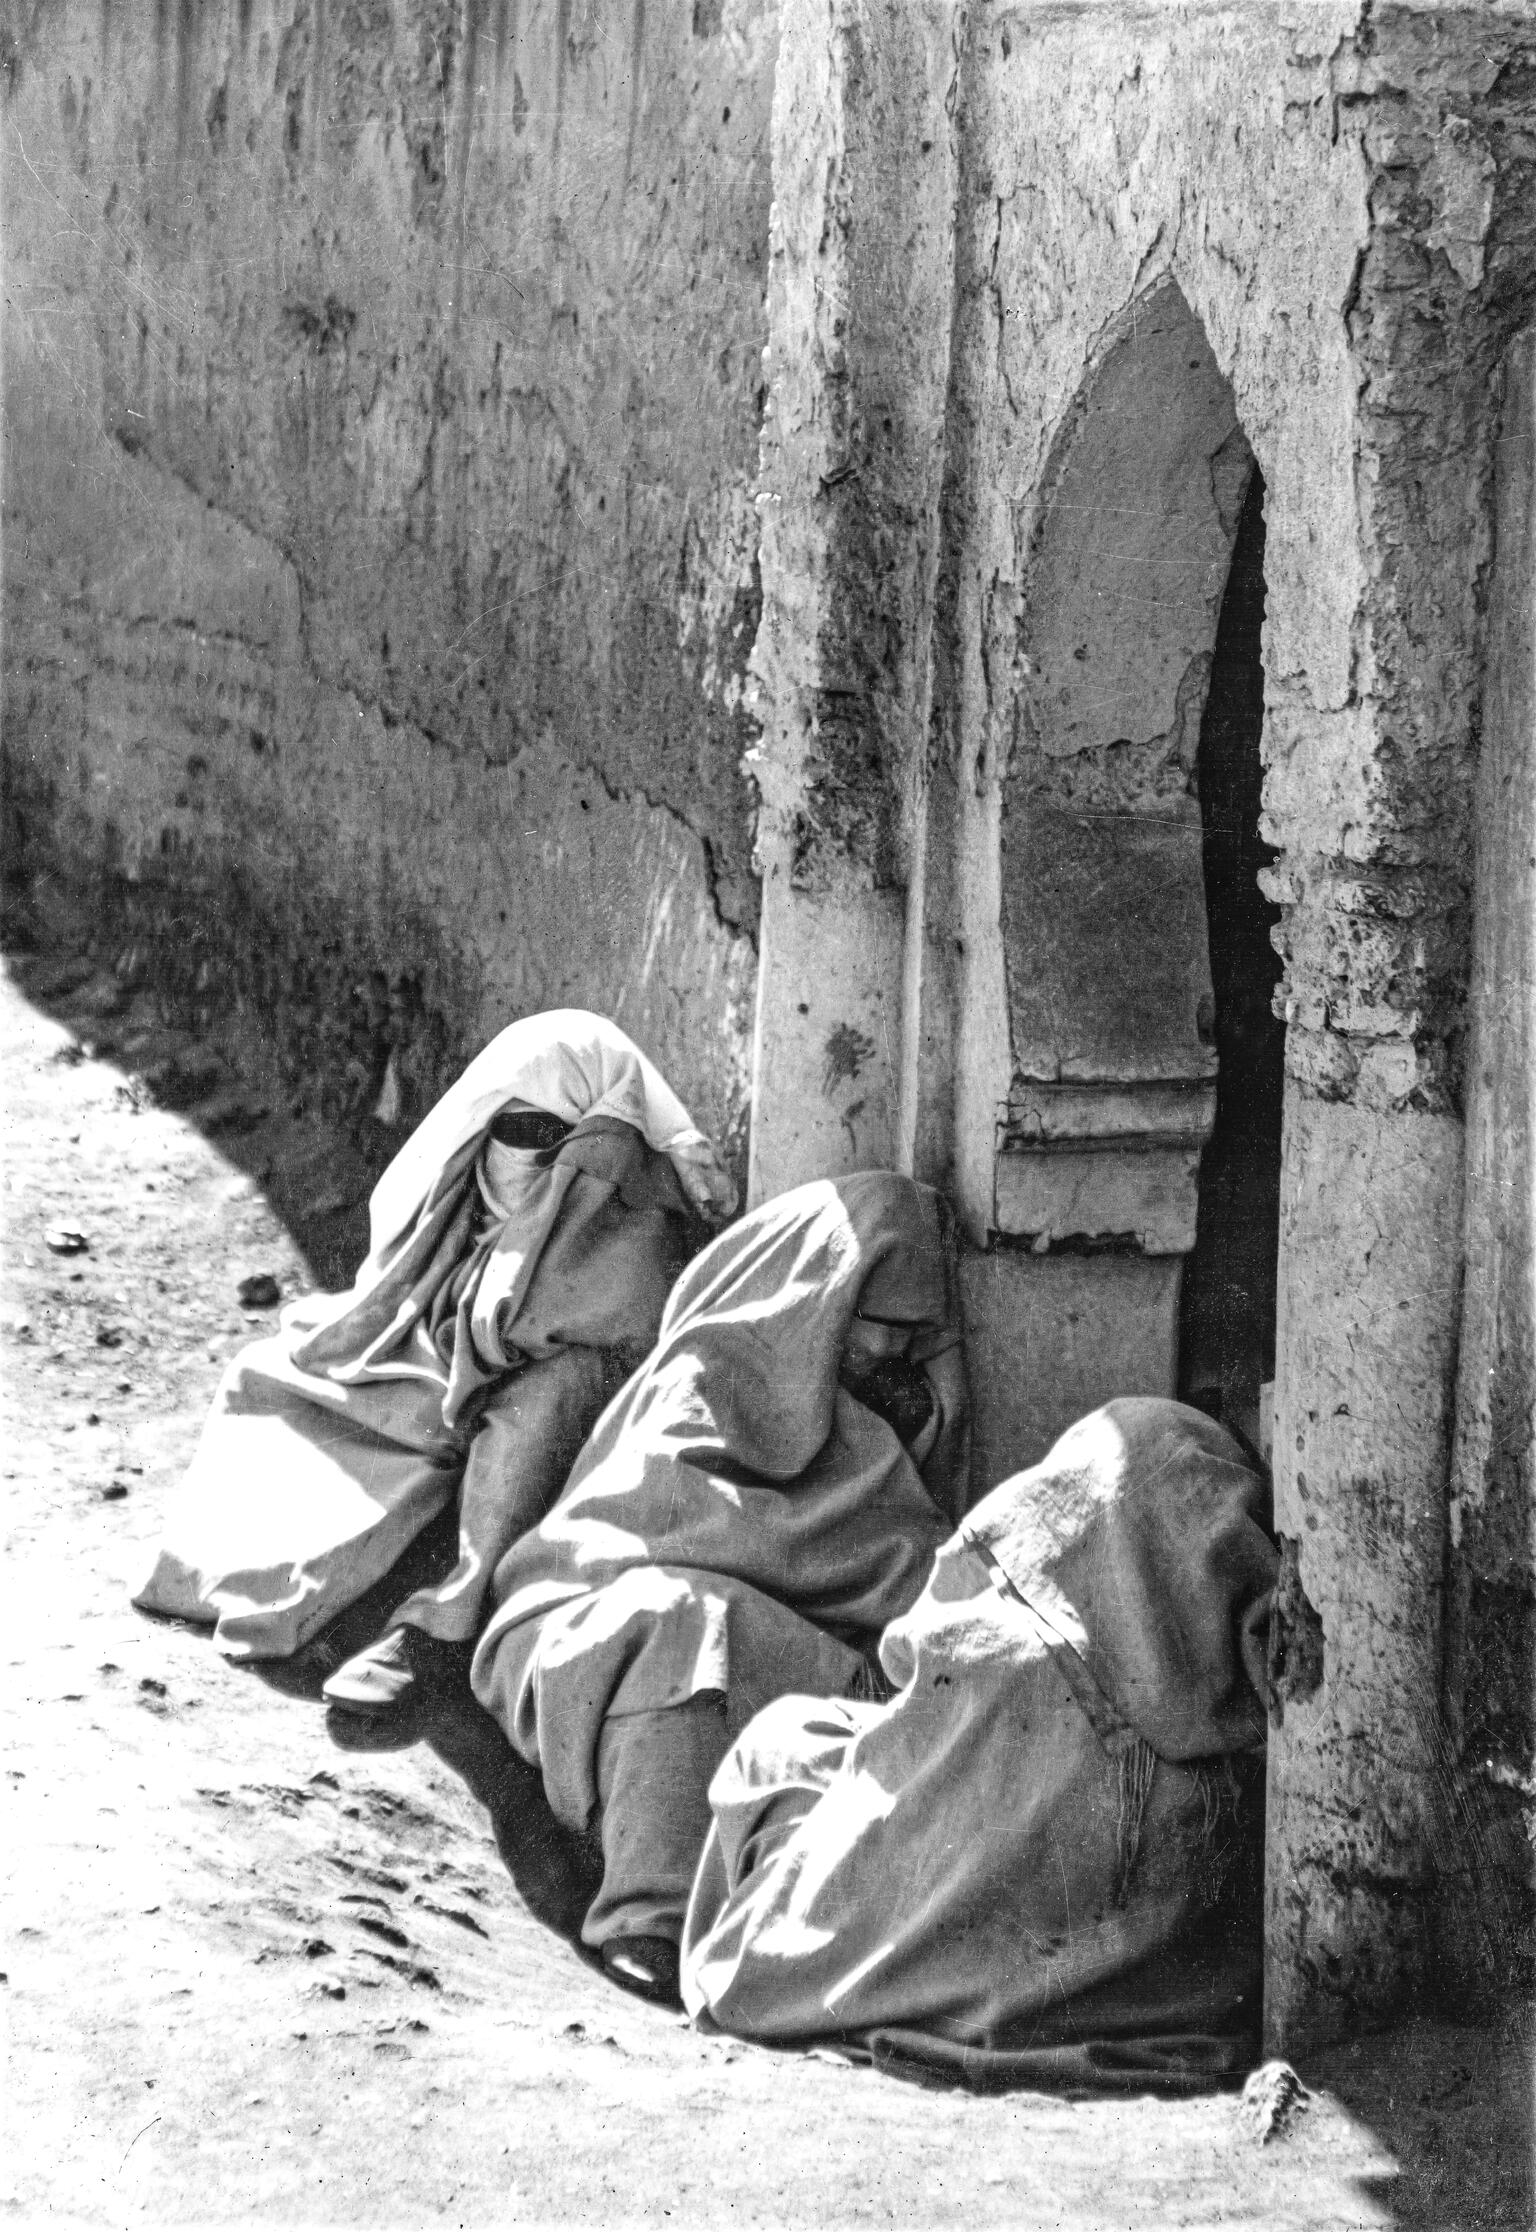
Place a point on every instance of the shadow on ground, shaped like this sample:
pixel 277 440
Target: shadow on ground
pixel 556 1873
pixel 1453 2105
pixel 225 1080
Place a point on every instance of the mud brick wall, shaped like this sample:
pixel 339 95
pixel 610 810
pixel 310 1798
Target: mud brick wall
pixel 383 395
pixel 1491 1613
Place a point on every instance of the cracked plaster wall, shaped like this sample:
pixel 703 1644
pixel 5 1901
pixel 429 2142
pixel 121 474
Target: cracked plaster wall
pixel 383 387
pixel 1491 1669
pixel 864 146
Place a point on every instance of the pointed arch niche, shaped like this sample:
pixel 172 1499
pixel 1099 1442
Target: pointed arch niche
pixel 1136 964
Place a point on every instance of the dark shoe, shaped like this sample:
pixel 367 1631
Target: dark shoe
pixel 382 1678
pixel 647 1965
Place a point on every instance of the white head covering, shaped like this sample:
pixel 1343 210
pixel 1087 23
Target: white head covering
pixel 573 1064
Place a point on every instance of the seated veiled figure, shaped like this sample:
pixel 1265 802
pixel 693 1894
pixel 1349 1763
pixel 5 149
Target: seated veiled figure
pixel 764 1496
pixel 1040 1861
pixel 523 1243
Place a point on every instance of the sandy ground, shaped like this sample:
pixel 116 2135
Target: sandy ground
pixel 253 1977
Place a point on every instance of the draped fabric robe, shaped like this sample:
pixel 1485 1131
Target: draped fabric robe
pixel 1039 1861
pixel 738 1523
pixel 504 1294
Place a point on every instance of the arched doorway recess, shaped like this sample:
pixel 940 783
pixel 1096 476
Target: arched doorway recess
pixel 1115 1023
pixel 1227 1303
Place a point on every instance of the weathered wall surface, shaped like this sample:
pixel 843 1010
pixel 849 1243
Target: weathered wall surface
pixel 1490 1834
pixel 864 150
pixel 383 387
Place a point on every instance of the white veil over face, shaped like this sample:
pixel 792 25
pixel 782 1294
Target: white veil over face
pixel 573 1064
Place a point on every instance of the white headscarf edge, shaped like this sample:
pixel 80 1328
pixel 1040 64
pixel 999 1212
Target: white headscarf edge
pixel 574 1064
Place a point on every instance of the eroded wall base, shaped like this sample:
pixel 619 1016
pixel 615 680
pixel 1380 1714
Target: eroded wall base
pixel 1486 1922
pixel 1358 1762
pixel 266 834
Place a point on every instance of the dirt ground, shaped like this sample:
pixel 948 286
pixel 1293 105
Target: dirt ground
pixel 251 1977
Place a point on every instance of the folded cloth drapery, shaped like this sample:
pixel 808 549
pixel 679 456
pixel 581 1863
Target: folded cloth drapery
pixel 477 1345
pixel 735 1451
pixel 740 1523
pixel 1038 1863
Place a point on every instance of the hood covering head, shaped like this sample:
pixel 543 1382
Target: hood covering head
pixel 736 1451
pixel 508 1287
pixel 1139 1541
pixel 571 1063
pixel 1040 1860
pixel 757 1323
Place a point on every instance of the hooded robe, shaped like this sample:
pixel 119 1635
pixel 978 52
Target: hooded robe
pixel 739 1523
pixel 471 1355
pixel 1039 1861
